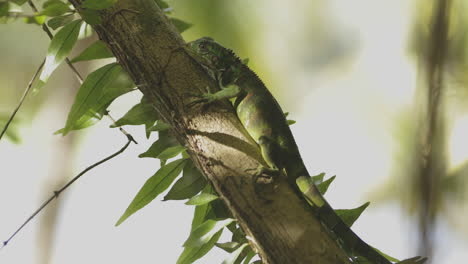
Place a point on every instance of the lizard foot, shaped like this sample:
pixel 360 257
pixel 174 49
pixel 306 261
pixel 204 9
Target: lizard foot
pixel 205 98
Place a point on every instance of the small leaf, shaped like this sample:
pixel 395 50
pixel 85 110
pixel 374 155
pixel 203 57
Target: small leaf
pixel 323 186
pixel 202 198
pixel 317 179
pixel 54 8
pixel 98 4
pixel 38 20
pixel 290 122
pixel 249 256
pixel 311 193
pixel 232 258
pixel 180 24
pixel 164 142
pixel 228 246
pixel 191 183
pixel 203 233
pixel 155 185
pixel 245 62
pixel 349 216
pixel 160 126
pixel 91 17
pixel 97 50
pixel 140 114
pixel 59 48
pixel 191 254
pixel 96 93
pixel 60 21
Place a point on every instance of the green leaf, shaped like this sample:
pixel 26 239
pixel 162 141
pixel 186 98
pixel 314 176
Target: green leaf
pixel 180 24
pixel 12 132
pixel 38 20
pixel 249 256
pixel 162 4
pixel 155 185
pixel 97 50
pixel 160 126
pixel 91 17
pixel 59 48
pixel 317 179
pixel 96 93
pixel 164 142
pixel 323 186
pixel 19 2
pixel 204 232
pixel 170 152
pixel 98 4
pixel 191 254
pixel 4 8
pixel 202 198
pixel 228 246
pixel 349 216
pixel 246 61
pixel 142 113
pixel 200 214
pixel 54 8
pixel 290 122
pixel 191 183
pixel 232 258
pixel 60 21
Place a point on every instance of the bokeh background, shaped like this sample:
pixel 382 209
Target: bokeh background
pixel 378 89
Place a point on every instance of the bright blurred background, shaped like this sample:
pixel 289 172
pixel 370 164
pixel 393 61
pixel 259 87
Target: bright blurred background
pixel 378 90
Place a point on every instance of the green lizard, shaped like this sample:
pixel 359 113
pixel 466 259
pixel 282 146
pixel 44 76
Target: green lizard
pixel 266 123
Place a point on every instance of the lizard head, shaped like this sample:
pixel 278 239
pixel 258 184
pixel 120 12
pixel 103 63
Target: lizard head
pixel 213 55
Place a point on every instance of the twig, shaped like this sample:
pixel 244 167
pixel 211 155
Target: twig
pixel 26 92
pixel 57 193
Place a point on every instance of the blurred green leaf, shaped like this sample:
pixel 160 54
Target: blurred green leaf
pixel 19 2
pixel 201 213
pixel 162 4
pixel 91 17
pixel 204 232
pixel 59 48
pixel 38 20
pixel 155 185
pixel 290 122
pixel 191 254
pixel 202 198
pixel 180 24
pixel 98 4
pixel 99 89
pixel 12 131
pixel 232 258
pixel 60 21
pixel 349 216
pixel 97 50
pixel 54 8
pixel 323 186
pixel 191 183
pixel 4 8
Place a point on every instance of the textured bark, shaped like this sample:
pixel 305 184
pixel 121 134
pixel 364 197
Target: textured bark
pixel 280 225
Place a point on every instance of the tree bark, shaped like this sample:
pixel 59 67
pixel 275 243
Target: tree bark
pixel 280 225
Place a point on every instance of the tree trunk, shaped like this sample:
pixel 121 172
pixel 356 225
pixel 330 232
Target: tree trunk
pixel 280 224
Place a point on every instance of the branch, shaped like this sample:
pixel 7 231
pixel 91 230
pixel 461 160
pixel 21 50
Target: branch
pixel 280 224
pixel 57 193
